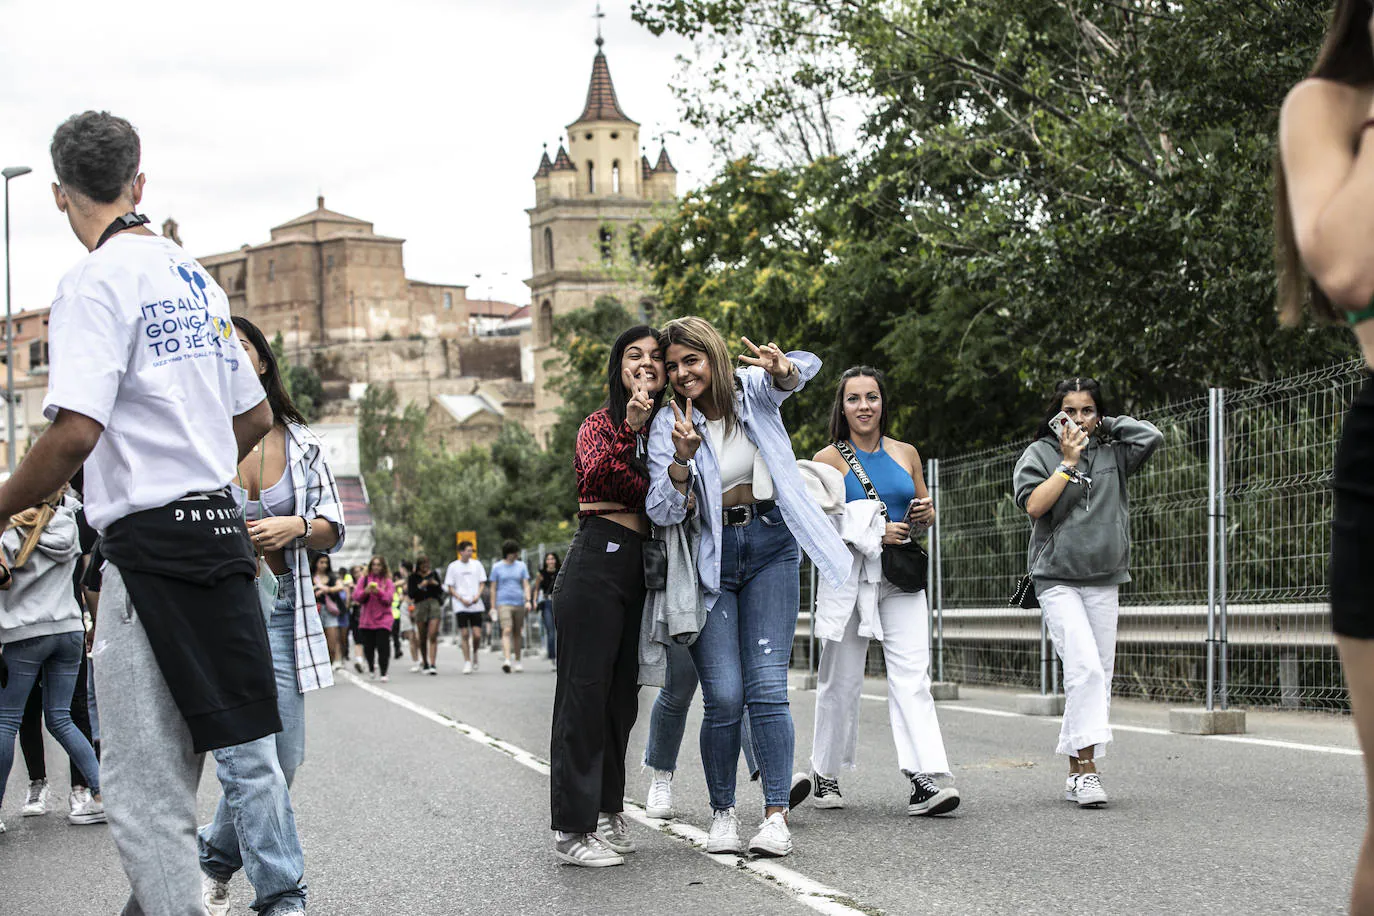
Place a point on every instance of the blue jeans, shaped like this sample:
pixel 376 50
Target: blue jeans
pixel 742 656
pixel 58 658
pixel 668 721
pixel 255 825
pixel 550 633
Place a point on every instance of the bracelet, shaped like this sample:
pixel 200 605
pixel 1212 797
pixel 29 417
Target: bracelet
pixel 307 528
pixel 1065 475
pixel 680 463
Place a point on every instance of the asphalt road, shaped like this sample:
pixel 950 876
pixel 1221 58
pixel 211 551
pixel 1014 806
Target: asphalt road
pixel 408 804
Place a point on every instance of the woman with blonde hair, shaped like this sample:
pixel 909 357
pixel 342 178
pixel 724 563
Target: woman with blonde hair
pixel 724 443
pixel 1323 217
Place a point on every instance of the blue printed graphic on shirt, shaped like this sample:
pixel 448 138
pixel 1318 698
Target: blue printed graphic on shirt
pixel 184 327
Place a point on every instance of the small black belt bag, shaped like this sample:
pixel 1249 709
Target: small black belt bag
pixel 904 565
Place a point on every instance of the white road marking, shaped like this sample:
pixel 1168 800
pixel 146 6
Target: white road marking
pixel 804 890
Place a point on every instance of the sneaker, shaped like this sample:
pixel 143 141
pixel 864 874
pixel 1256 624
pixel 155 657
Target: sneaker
pixel 801 788
pixel 416 669
pixel 372 675
pixel 553 664
pixel 660 801
pixel 358 665
pixel 773 838
pixel 467 667
pixel 1071 788
pixel 505 665
pixel 614 831
pixel 86 808
pixel 927 798
pixel 1090 793
pixel 214 894
pixel 587 850
pixel 433 671
pixel 827 793
pixel 384 679
pixel 338 666
pixel 37 803
pixel 519 666
pixel 724 836
pixel 2 826
pixel 476 662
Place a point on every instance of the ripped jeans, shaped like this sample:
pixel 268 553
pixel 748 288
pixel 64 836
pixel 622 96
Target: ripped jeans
pixel 742 656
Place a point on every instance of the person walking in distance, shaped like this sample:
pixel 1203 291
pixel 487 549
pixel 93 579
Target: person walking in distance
pixel 332 607
pixel 1073 486
pixel 291 504
pixel 182 660
pixel 427 592
pixel 543 599
pixel 598 601
pixel 464 580
pixel 510 582
pixel 724 443
pixel 373 594
pixel 1323 183
pixel 871 607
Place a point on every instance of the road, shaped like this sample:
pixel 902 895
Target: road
pixel 430 796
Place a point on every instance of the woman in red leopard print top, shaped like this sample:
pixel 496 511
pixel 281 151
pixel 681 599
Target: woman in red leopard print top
pixel 598 599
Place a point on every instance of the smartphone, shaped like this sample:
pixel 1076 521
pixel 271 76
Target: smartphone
pixel 1059 422
pixel 911 508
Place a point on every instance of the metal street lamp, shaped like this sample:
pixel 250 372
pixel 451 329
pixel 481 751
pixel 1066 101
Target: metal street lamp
pixel 13 171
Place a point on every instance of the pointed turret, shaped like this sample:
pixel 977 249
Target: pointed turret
pixel 602 104
pixel 562 163
pixel 664 164
pixel 562 178
pixel 660 182
pixel 545 166
pixel 646 171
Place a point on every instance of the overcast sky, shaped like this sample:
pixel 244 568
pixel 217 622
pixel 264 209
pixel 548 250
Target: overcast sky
pixel 426 117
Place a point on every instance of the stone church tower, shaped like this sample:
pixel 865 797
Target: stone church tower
pixel 593 204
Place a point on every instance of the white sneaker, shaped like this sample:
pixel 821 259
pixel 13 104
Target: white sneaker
pixel 384 679
pixel 214 894
pixel 660 801
pixel 553 664
pixel 358 665
pixel 37 803
pixel 773 838
pixel 467 667
pixel 1071 788
pixel 1090 793
pixel 416 669
pixel 724 836
pixel 519 666
pixel 587 850
pixel 476 661
pixel 614 831
pixel 505 665
pixel 338 666
pixel 86 809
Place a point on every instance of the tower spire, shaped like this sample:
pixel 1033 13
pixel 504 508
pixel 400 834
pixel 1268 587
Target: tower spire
pixel 598 17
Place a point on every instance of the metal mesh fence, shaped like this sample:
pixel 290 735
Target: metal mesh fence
pixel 1278 441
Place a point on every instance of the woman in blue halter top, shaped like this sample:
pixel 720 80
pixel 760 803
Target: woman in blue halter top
pixel 859 419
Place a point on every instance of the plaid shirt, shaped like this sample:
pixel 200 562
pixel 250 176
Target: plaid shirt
pixel 317 496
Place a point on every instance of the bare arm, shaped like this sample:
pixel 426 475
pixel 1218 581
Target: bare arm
pixel 55 457
pixel 250 427
pixel 1331 187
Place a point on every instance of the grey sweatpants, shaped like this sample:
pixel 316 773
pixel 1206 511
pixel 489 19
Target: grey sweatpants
pixel 148 771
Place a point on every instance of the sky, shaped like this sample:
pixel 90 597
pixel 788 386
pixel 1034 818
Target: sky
pixel 425 117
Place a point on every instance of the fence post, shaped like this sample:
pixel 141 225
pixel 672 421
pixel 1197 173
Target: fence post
pixel 1221 662
pixel 1213 449
pixel 812 667
pixel 938 581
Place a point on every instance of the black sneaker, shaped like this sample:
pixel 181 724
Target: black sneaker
pixel 927 798
pixel 827 792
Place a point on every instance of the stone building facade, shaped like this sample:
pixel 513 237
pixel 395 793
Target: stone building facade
pixel 593 204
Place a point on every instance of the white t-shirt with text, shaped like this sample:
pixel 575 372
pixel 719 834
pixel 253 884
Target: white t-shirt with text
pixel 466 579
pixel 140 341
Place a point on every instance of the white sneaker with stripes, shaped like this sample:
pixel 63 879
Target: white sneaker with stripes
pixel 586 850
pixel 614 831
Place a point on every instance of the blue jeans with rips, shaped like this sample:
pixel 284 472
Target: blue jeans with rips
pixel 742 656
pixel 255 825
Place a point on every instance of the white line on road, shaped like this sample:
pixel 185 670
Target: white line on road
pixel 804 890
pixel 1146 730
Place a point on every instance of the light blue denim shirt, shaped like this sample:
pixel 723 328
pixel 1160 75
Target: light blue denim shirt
pixel 757 401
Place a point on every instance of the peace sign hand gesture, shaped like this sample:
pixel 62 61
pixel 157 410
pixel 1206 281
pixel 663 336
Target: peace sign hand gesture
pixel 769 357
pixel 686 439
pixel 640 405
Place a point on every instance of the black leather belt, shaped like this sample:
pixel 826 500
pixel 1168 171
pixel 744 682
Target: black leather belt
pixel 743 515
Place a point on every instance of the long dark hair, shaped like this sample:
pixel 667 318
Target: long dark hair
pixel 1345 57
pixel 283 411
pixel 617 396
pixel 1091 386
pixel 331 579
pixel 544 563
pixel 839 423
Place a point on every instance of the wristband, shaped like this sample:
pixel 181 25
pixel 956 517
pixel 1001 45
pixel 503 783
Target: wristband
pixel 680 463
pixel 306 533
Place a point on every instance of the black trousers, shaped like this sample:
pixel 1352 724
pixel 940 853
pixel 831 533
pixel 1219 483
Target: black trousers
pixel 376 649
pixel 31 727
pixel 598 601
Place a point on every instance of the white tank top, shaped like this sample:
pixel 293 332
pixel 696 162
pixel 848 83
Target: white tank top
pixel 735 454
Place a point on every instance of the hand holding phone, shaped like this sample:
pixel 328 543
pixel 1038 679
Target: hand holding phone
pixel 1061 422
pixel 918 513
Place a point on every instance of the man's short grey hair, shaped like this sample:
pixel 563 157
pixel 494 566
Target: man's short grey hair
pixel 96 154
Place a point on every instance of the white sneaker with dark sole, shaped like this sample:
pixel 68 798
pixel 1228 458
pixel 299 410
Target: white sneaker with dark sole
pixel 773 839
pixel 826 793
pixel 724 835
pixel 660 799
pixel 928 799
pixel 1071 788
pixel 1090 793
pixel 586 850
pixel 214 895
pixel 614 831
pixel 36 804
pixel 505 665
pixel 85 808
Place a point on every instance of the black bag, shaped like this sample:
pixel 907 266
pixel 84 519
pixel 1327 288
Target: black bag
pixel 904 565
pixel 1024 596
pixel 655 564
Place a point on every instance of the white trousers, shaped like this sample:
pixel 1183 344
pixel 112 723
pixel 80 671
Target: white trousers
pixel 906 649
pixel 1082 625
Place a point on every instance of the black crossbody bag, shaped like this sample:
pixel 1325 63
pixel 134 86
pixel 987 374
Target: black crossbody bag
pixel 904 565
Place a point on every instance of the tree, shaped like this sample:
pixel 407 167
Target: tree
pixel 302 383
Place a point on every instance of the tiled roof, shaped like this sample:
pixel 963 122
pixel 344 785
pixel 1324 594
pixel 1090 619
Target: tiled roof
pixel 601 101
pixel 645 168
pixel 320 214
pixel 545 166
pixel 562 163
pixel 664 163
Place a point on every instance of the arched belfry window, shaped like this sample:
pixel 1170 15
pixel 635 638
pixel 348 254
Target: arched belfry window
pixel 546 322
pixel 548 248
pixel 615 177
pixel 636 243
pixel 591 177
pixel 607 245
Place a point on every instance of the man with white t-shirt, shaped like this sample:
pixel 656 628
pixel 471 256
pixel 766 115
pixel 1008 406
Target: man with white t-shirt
pixel 150 389
pixel 463 580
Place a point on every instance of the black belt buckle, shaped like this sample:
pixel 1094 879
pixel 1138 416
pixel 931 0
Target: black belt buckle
pixel 738 516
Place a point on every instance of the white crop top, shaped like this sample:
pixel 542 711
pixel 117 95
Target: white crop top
pixel 735 454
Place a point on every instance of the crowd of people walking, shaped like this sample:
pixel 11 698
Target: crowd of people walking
pixel 167 588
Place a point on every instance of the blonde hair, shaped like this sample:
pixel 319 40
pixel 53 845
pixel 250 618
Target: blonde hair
pixel 35 519
pixel 699 334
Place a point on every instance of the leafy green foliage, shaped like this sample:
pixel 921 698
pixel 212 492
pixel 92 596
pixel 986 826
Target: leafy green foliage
pixel 302 383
